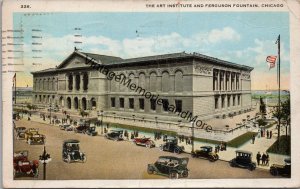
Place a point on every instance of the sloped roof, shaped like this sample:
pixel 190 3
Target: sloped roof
pixel 103 58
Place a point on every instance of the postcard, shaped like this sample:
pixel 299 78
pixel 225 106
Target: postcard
pixel 150 93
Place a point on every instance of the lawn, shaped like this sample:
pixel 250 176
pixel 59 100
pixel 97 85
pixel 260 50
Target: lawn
pixel 240 140
pixel 284 146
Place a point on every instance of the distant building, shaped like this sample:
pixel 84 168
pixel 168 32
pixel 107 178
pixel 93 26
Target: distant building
pixel 23 94
pixel 206 86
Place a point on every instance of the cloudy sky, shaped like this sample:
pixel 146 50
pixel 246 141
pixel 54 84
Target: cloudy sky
pixel 240 37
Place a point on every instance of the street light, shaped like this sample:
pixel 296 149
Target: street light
pixel 44 159
pixel 192 123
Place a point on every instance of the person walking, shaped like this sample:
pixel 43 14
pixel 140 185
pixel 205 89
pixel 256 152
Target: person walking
pixel 267 159
pixel 263 159
pixel 258 156
pixel 268 134
pixel 253 139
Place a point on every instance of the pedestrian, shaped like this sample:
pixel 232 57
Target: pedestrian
pixel 258 156
pixel 186 140
pixel 267 159
pixel 261 133
pixel 253 139
pixel 225 146
pixel 263 159
pixel 268 134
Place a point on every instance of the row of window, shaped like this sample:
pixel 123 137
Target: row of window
pixel 153 103
pixel 222 81
pixel 223 97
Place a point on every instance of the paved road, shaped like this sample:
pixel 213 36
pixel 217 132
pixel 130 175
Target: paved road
pixel 108 159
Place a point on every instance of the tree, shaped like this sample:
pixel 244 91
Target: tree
pixel 262 107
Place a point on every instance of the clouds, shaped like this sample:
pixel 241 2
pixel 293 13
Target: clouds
pixel 225 34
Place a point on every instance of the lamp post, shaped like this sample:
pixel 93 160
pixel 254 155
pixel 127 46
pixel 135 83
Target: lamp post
pixel 192 124
pixel 44 159
pixel 101 114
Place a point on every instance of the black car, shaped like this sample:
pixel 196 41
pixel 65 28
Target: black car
pixel 91 131
pixel 115 135
pixel 71 151
pixel 20 132
pixel 170 166
pixel 171 145
pixel 206 152
pixel 283 170
pixel 243 159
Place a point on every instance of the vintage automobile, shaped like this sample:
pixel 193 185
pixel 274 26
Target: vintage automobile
pixel 283 170
pixel 171 145
pixel 32 136
pixel 206 152
pixel 71 151
pixel 170 166
pixel 24 167
pixel 81 127
pixel 115 135
pixel 243 159
pixel 91 130
pixel 144 142
pixel 20 132
pixel 66 127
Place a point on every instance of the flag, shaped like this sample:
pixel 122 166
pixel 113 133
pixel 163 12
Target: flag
pixel 271 61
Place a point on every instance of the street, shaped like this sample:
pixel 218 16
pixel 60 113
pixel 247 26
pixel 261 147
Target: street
pixel 108 159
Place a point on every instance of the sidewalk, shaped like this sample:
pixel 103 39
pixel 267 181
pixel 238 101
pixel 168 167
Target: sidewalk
pixel 260 145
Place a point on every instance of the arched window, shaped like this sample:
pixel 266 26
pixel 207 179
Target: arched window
pixel 77 82
pixel 84 103
pixel 142 80
pixel 69 103
pixel 165 79
pixel 153 82
pixel 132 77
pixel 178 81
pixel 93 103
pixel 76 103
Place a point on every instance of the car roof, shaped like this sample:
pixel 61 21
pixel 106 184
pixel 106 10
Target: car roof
pixel 169 157
pixel 243 151
pixel 71 141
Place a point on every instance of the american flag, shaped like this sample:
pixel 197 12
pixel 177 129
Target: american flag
pixel 271 61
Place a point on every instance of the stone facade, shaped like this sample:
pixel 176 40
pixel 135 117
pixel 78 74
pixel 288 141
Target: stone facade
pixel 206 86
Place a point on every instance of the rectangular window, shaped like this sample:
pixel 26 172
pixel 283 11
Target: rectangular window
pixel 142 104
pixel 153 104
pixel 228 101
pixel 239 100
pixel 223 101
pixel 121 102
pixel 178 104
pixel 165 104
pixel 113 102
pixel 233 101
pixel 216 102
pixel 131 103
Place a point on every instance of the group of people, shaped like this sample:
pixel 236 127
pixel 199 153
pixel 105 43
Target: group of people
pixel 221 147
pixel 262 159
pixel 266 133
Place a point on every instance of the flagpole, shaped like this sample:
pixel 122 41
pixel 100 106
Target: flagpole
pixel 279 102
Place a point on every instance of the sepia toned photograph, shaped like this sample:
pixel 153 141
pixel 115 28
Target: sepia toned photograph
pixel 172 92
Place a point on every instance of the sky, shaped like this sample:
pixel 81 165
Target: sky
pixel 241 37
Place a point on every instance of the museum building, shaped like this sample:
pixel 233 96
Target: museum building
pixel 206 86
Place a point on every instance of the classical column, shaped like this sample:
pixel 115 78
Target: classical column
pixel 218 85
pixel 81 81
pixel 235 81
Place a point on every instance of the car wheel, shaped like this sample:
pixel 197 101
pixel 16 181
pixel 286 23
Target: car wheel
pixel 148 145
pixel 211 159
pixel 150 171
pixel 69 159
pixel 84 159
pixel 185 174
pixel 251 167
pixel 274 172
pixel 177 151
pixel 232 164
pixel 174 175
pixel 161 148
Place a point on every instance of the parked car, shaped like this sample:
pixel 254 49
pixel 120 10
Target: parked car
pixel 66 127
pixel 20 132
pixel 81 128
pixel 147 142
pixel 91 131
pixel 243 159
pixel 170 166
pixel 206 152
pixel 283 170
pixel 115 135
pixel 32 136
pixel 71 151
pixel 24 167
pixel 171 145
